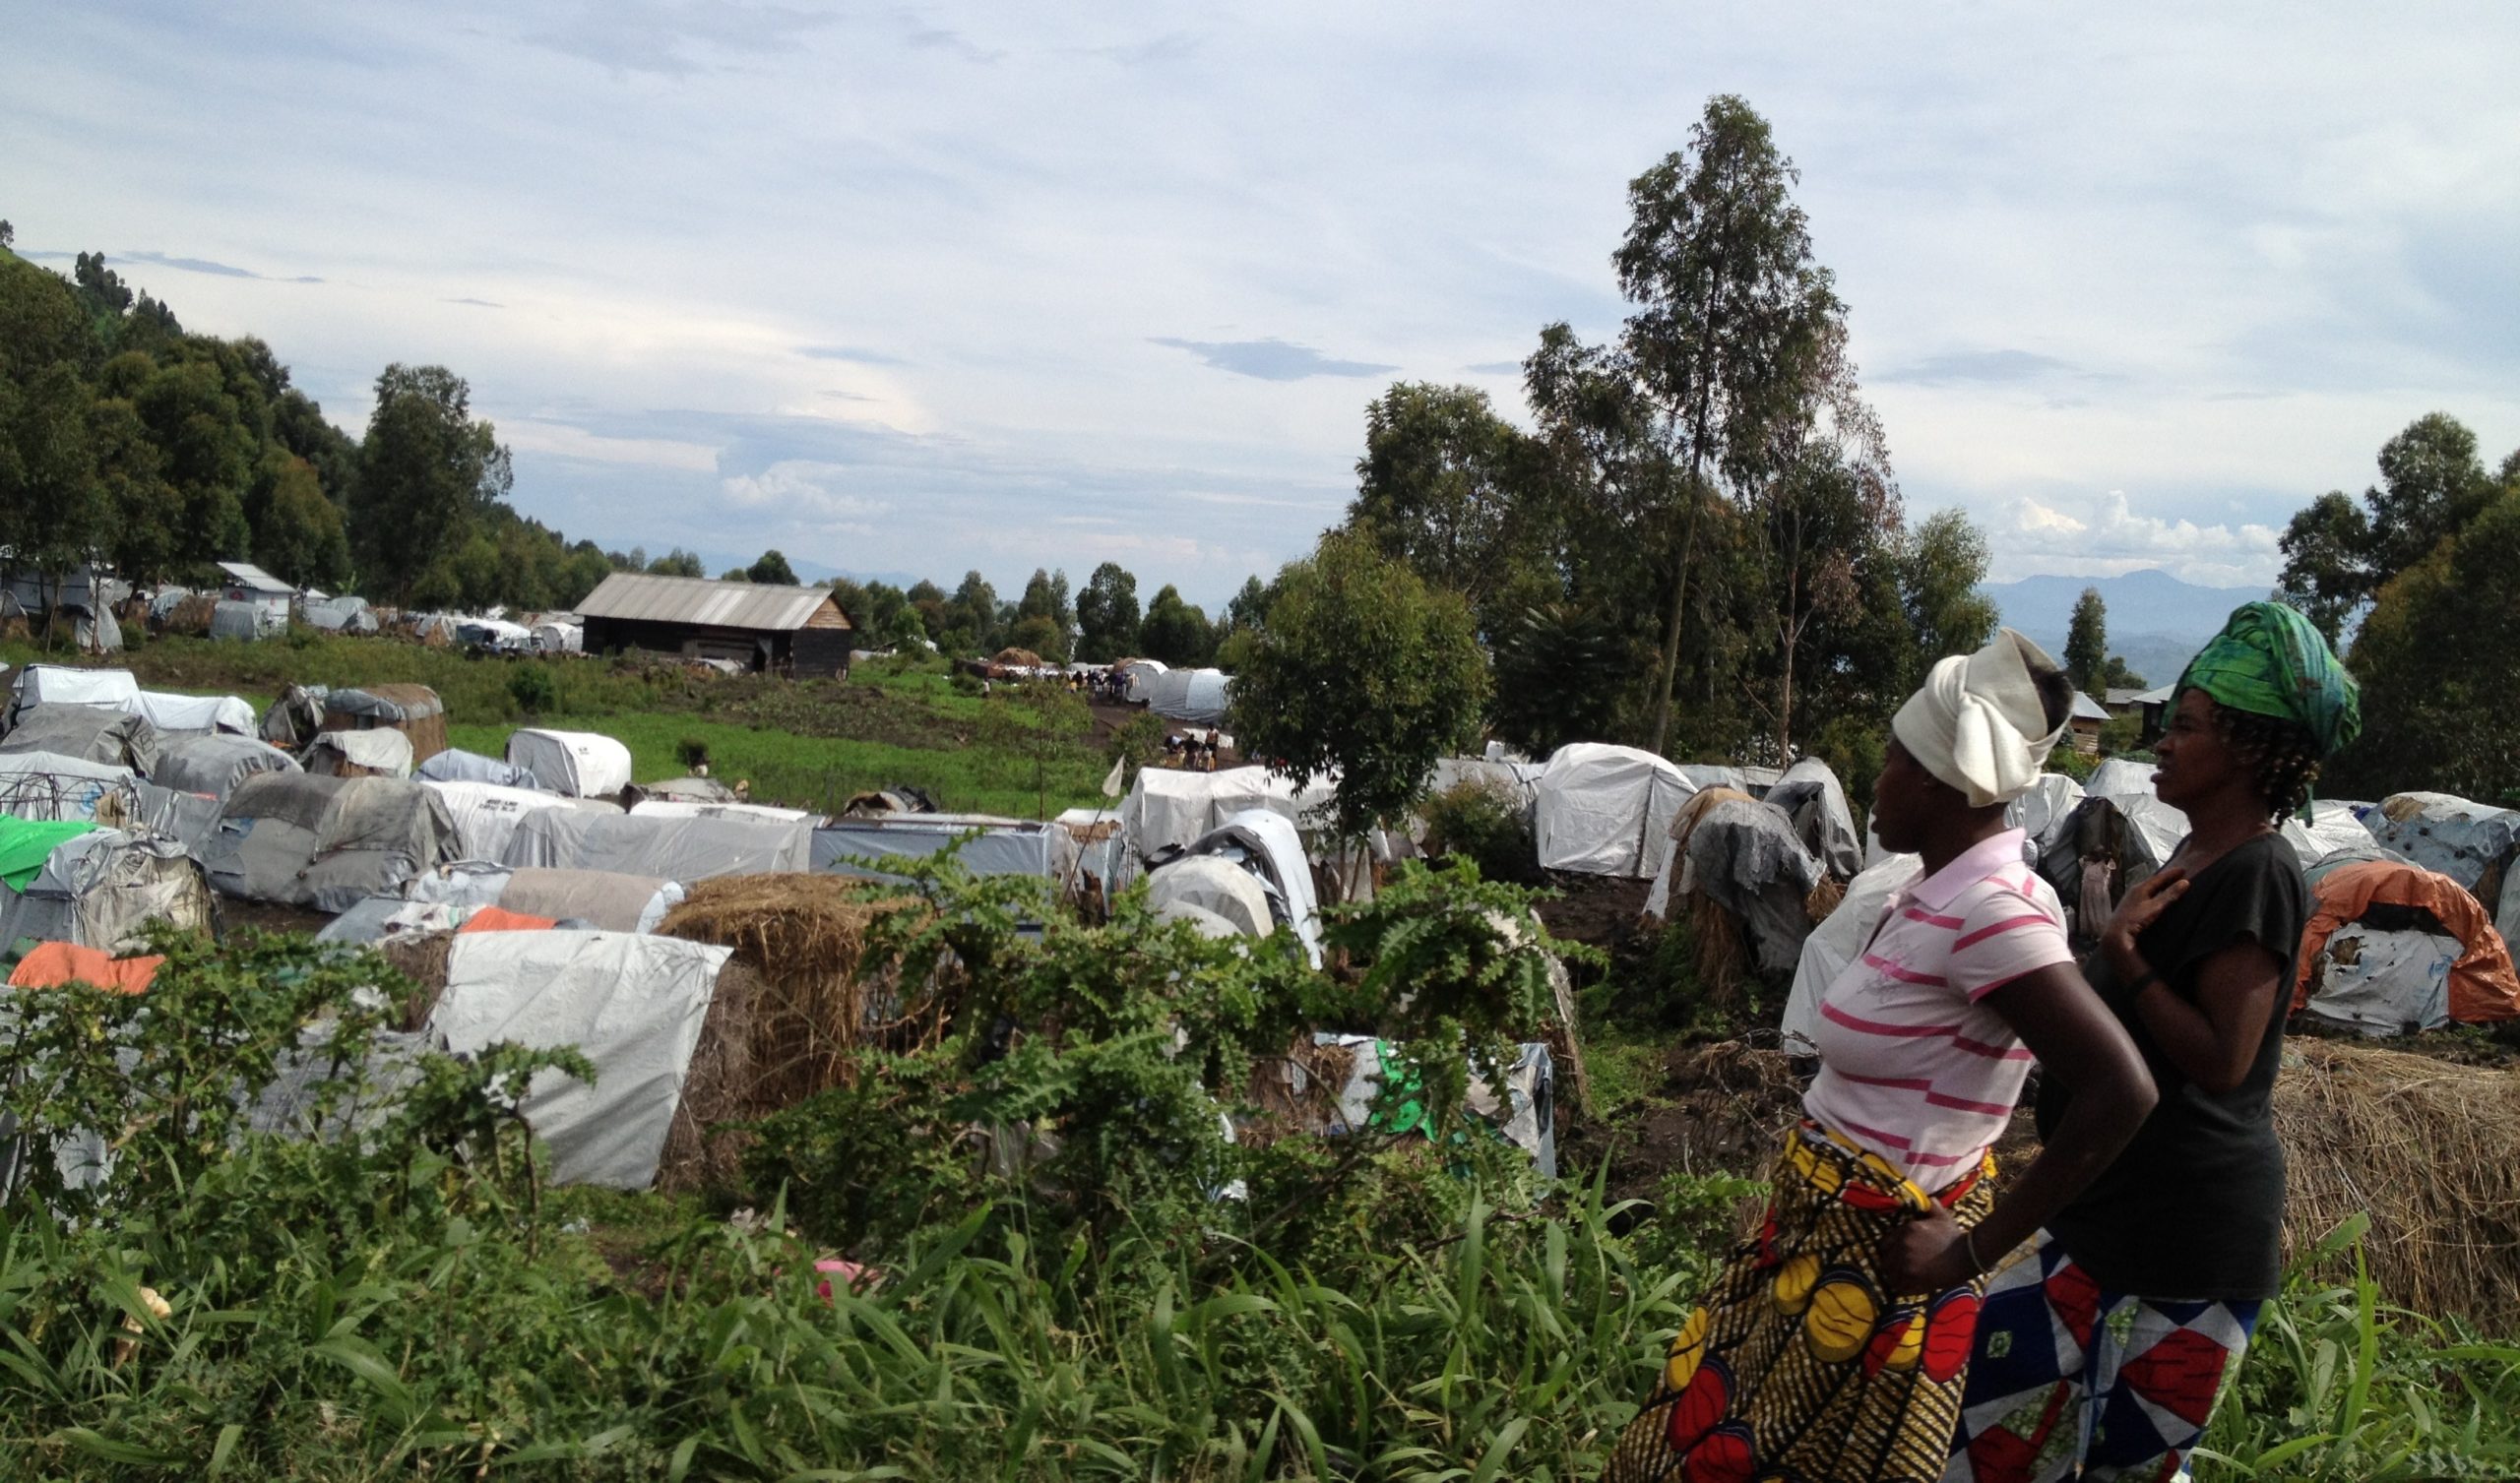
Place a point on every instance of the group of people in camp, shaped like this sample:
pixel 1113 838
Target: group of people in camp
pixel 1893 1318
pixel 1192 751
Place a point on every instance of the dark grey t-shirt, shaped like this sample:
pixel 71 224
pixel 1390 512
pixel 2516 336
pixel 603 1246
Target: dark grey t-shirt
pixel 2194 1207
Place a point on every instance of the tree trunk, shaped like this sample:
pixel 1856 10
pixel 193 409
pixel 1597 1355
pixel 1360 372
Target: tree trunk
pixel 1671 630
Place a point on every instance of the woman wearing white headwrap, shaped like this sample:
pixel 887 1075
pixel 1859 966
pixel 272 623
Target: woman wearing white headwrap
pixel 1834 1344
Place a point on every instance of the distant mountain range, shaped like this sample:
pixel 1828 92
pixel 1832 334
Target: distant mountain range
pixel 2156 621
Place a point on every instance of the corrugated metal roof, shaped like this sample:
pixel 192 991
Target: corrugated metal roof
pixel 703 603
pixel 254 576
pixel 2088 709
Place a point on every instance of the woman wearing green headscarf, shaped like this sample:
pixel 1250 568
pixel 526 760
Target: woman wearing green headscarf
pixel 2105 1341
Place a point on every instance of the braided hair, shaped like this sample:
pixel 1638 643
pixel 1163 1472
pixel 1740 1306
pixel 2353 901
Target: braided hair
pixel 2281 751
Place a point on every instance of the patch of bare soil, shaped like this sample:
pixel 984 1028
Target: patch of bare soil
pixel 1601 910
pixel 268 916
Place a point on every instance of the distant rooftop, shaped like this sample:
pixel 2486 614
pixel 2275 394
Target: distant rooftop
pixel 637 597
pixel 2088 709
pixel 254 578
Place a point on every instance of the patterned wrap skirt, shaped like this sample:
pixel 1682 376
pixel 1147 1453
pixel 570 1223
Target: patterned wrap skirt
pixel 1800 1367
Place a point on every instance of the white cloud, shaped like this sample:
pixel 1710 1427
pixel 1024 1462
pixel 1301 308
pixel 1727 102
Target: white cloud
pixel 799 490
pixel 560 439
pixel 2103 536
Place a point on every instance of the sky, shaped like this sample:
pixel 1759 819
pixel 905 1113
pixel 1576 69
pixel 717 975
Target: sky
pixel 900 290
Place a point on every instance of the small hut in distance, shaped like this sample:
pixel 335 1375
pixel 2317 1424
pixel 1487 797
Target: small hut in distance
pixel 775 630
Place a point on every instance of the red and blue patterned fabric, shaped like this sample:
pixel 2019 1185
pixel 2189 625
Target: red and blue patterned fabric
pixel 2071 1382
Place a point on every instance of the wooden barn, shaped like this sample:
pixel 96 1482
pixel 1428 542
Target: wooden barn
pixel 773 630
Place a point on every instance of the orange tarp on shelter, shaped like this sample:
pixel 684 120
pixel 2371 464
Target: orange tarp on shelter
pixel 2482 983
pixel 52 965
pixel 500 919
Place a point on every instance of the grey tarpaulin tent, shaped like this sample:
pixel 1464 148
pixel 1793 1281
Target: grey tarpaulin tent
pixel 381 753
pixel 1744 855
pixel 308 841
pixel 216 763
pixel 46 786
pixel 1264 843
pixel 1606 810
pixel 2120 832
pixel 295 716
pixel 95 733
pixel 631 1004
pixel 104 889
pixel 2473 843
pixel 605 899
pixel 1811 796
pixel 678 849
pixel 1001 846
pixel 456 766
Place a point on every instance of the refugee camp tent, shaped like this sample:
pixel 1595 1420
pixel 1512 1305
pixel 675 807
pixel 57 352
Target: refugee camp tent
pixel 1140 676
pixel 244 622
pixel 1744 855
pixel 1195 695
pixel 580 764
pixel 1837 943
pixel 996 846
pixel 2392 947
pixel 2473 843
pixel 192 818
pixel 631 1004
pixel 1518 781
pixel 1168 809
pixel 689 789
pixel 216 763
pixel 102 889
pixel 413 709
pixel 2038 813
pixel 1810 796
pixel 194 714
pixel 383 753
pixel 1211 887
pixel 494 634
pixel 1607 810
pixel 2120 832
pixel 486 814
pixel 695 808
pixel 340 615
pixel 456 766
pixel 607 901
pixel 303 840
pixel 2330 833
pixel 295 716
pixel 552 637
pixel 677 850
pixel 1265 844
pixel 25 844
pixel 95 733
pixel 65 684
pixel 45 785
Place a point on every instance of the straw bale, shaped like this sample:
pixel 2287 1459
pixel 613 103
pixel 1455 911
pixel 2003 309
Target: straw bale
pixel 420 956
pixel 2422 1146
pixel 703 1153
pixel 192 614
pixel 802 936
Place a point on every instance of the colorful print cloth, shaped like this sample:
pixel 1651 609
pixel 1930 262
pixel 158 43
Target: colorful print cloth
pixel 2073 1382
pixel 1800 1368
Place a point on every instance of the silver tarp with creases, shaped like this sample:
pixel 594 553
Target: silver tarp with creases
pixel 599 898
pixel 1744 855
pixel 92 733
pixel 456 766
pixel 102 890
pixel 216 764
pixel 1811 796
pixel 2473 843
pixel 45 785
pixel 677 850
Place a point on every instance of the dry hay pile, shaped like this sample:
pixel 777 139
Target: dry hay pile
pixel 2425 1147
pixel 192 614
pixel 800 1008
pixel 1296 1093
pixel 420 956
pixel 701 1152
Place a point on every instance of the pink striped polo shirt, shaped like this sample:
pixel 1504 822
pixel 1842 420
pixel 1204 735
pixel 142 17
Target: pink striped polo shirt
pixel 1913 1065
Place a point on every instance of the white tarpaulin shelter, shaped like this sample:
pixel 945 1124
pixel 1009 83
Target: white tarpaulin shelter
pixel 2330 832
pixel 216 763
pixel 580 764
pixel 677 850
pixel 1217 888
pixel 601 899
pixel 48 786
pixel 551 638
pixel 1195 695
pixel 2473 843
pixel 486 815
pixel 198 714
pixel 693 808
pixel 454 765
pixel 1265 843
pixel 2380 983
pixel 1170 808
pixel 633 1005
pixel 65 684
pixel 1839 942
pixel 381 753
pixel 1141 675
pixel 1607 810
pixel 2053 796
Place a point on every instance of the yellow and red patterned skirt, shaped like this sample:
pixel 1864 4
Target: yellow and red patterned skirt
pixel 1799 1368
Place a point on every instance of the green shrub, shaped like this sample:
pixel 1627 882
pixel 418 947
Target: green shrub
pixel 1485 825
pixel 692 753
pixel 533 688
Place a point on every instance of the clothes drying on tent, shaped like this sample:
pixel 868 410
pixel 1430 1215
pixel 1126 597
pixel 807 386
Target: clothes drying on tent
pixel 303 840
pixel 382 753
pixel 580 764
pixel 47 785
pixel 632 1004
pixel 1526 1116
pixel 73 685
pixel 91 733
pixel 455 764
pixel 486 815
pixel 196 714
pixel 2481 985
pixel 1835 945
pixel 678 849
pixel 1607 810
pixel 1811 797
pixel 104 889
pixel 413 709
pixel 216 763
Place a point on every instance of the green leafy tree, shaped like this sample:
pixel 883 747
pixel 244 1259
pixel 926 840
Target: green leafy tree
pixel 2432 484
pixel 973 616
pixel 2087 640
pixel 1248 607
pixel 1559 668
pixel 48 476
pixel 1107 616
pixel 429 471
pixel 1176 632
pixel 1363 671
pixel 298 533
pixel 2325 547
pixel 771 569
pixel 677 562
pixel 1947 561
pixel 143 511
pixel 1439 487
pixel 207 451
pixel 2119 677
pixel 2438 656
